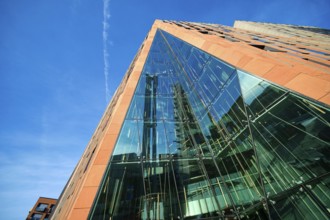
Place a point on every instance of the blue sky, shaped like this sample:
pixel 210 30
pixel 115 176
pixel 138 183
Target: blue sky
pixel 60 61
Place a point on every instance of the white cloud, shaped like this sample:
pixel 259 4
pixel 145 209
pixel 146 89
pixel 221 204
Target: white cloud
pixel 28 175
pixel 106 17
pixel 39 154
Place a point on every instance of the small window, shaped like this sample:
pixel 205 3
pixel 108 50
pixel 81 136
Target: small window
pixel 52 207
pixel 231 39
pixel 259 46
pixel 271 49
pixel 41 207
pixel 266 48
pixel 260 39
pixel 36 216
pixel 203 31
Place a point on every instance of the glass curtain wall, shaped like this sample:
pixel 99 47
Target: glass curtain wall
pixel 203 140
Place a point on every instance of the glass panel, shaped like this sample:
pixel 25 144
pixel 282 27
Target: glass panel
pixel 229 108
pixel 197 105
pixel 289 144
pixel 136 110
pixel 239 168
pixel 122 193
pixel 154 143
pixel 164 85
pixel 292 148
pixel 296 204
pixel 128 145
pixel 258 94
pixel 36 216
pixel 196 196
pixel 41 207
pixel 321 191
pixel 204 140
pixel 165 109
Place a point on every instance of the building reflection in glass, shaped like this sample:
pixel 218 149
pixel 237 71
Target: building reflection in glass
pixel 203 140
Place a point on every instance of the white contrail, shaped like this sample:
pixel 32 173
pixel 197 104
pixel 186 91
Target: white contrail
pixel 106 17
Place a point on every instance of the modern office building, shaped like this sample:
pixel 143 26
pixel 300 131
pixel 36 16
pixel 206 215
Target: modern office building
pixel 212 122
pixel 42 210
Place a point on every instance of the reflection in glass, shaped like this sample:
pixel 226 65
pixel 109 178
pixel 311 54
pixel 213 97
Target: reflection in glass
pixel 203 140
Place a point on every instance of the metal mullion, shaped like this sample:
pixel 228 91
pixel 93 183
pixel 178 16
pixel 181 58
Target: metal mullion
pixel 176 188
pixel 280 159
pixel 199 196
pixel 303 102
pixel 309 134
pixel 282 146
pixel 224 127
pixel 316 200
pixel 118 193
pixel 255 165
pixel 324 193
pixel 222 192
pixel 238 107
pixel 239 174
pixel 204 107
pixel 228 144
pixel 275 179
pixel 285 180
pixel 106 197
pixel 274 171
pixel 230 182
pixel 225 184
pixel 236 117
pixel 293 202
pixel 209 184
pixel 186 199
pixel 256 157
pixel 243 169
pixel 206 190
pixel 169 188
pixel 312 201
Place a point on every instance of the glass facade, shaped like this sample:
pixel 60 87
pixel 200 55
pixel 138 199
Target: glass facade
pixel 203 140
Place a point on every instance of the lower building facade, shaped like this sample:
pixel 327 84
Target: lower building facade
pixel 191 135
pixel 42 210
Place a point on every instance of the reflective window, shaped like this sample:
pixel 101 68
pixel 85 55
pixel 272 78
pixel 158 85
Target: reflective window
pixel 41 207
pixel 203 140
pixel 36 216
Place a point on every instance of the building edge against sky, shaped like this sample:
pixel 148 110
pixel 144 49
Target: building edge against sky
pixel 42 209
pixel 297 64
